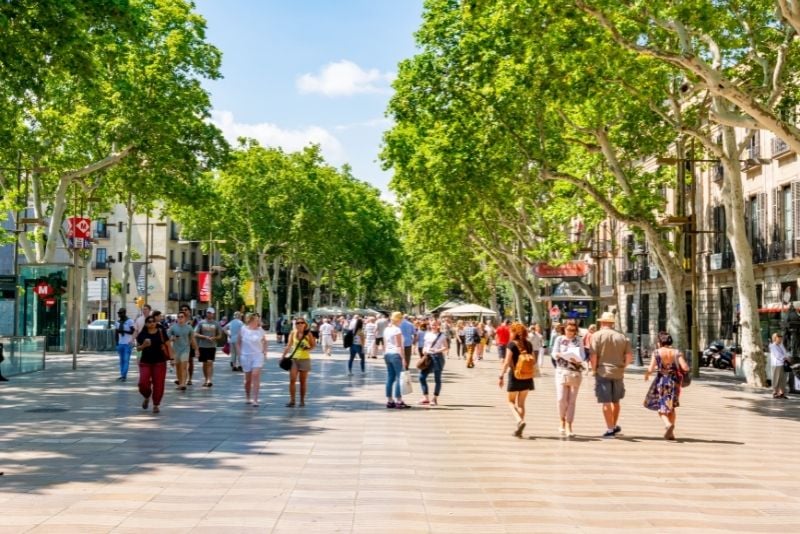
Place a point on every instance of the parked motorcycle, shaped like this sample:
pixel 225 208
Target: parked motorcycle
pixel 719 356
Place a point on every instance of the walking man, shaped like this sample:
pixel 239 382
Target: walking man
pixel 611 353
pixel 502 334
pixel 207 334
pixel 326 332
pixel 124 333
pixel 232 329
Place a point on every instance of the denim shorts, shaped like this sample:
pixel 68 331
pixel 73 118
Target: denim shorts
pixel 609 390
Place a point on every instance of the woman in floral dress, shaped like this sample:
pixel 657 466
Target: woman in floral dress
pixel 664 393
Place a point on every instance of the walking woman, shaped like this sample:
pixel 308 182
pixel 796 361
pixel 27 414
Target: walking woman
pixel 301 362
pixel 252 350
pixel 395 362
pixel 517 389
pixel 152 364
pixel 777 358
pixel 461 340
pixel 357 348
pixel 664 393
pixel 436 347
pixel 569 356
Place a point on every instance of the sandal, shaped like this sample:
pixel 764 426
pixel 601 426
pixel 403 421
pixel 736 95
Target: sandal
pixel 156 409
pixel 145 403
pixel 290 404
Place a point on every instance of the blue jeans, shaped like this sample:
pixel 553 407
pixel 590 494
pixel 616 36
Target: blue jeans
pixel 436 367
pixel 355 349
pixel 394 366
pixel 124 351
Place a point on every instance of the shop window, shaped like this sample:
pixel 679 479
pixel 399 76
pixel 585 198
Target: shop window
pixel 629 315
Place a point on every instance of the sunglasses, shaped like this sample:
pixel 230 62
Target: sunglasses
pixel 299 322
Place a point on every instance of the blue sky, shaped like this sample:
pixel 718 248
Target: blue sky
pixel 300 71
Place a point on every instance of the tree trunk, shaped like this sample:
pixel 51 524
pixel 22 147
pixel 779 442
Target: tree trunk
pixel 674 281
pixel 289 289
pixel 316 297
pixel 517 301
pixel 753 362
pixel 56 220
pixel 272 290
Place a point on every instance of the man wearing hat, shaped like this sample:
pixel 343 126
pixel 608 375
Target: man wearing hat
pixel 611 353
pixel 124 329
pixel 207 333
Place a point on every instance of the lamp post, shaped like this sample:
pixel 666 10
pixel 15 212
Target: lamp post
pixel 109 262
pixel 178 272
pixel 639 253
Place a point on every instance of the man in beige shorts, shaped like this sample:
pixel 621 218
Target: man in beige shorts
pixel 611 354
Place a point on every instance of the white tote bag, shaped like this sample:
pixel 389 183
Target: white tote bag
pixel 405 383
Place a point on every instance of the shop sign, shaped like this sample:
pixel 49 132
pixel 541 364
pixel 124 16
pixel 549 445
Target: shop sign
pixel 572 269
pixel 50 302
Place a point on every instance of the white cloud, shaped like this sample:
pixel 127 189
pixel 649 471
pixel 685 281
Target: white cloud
pixel 379 122
pixel 269 134
pixel 345 78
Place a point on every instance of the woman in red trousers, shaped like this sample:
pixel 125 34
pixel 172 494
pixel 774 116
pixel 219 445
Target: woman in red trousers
pixel 153 363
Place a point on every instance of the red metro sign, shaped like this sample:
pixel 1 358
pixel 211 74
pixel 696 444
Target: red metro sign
pixel 43 290
pixel 572 269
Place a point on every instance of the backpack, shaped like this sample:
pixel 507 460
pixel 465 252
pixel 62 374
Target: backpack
pixel 526 364
pixel 347 339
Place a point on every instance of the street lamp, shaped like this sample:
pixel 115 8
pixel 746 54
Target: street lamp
pixel 640 253
pixel 178 271
pixel 109 262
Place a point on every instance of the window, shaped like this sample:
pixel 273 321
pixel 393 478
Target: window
pixel 100 258
pixel 755 224
pixel 171 285
pixel 788 214
pixel 759 295
pixel 662 312
pixel 119 226
pixel 100 228
pixel 119 257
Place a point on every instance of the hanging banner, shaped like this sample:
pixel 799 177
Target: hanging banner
pixel 138 275
pixel 249 291
pixel 204 286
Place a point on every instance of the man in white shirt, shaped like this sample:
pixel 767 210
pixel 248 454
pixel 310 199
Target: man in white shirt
pixel 232 329
pixel 326 332
pixel 124 332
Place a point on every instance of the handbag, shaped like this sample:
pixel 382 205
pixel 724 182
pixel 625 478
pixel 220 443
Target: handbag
pixel 405 383
pixel 424 363
pixel 226 348
pixel 787 366
pixel 165 348
pixel 685 377
pixel 285 362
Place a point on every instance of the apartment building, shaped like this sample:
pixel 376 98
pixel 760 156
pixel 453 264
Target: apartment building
pixel 771 183
pixel 163 269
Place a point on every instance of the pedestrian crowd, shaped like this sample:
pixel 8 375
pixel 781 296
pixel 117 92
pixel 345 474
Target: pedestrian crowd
pixel 604 353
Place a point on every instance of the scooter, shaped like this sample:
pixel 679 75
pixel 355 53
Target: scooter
pixel 718 356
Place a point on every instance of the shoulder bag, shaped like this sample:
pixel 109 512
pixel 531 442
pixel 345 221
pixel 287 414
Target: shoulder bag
pixel 285 363
pixel 426 361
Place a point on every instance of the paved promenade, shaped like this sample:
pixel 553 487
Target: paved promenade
pixel 80 455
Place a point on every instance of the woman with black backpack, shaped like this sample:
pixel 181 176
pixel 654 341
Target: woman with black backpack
pixel 520 364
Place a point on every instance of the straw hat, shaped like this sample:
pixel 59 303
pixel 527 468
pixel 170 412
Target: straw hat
pixel 607 317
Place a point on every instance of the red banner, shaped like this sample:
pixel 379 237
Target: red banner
pixel 572 269
pixel 204 286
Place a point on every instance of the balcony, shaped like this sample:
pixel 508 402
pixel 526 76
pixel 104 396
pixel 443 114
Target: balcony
pixel 101 233
pixel 628 275
pixel 781 250
pixel 185 267
pixel 780 148
pixel 100 265
pixel 173 265
pixel 760 253
pixel 173 296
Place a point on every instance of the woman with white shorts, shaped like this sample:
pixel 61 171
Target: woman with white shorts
pixel 252 353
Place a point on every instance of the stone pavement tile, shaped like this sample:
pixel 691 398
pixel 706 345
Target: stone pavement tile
pixel 202 528
pixel 57 528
